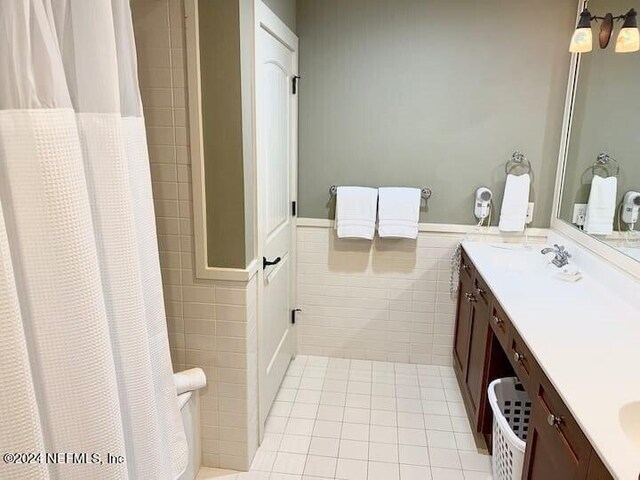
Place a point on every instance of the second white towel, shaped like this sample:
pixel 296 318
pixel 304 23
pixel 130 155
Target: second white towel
pixel 601 208
pixel 399 212
pixel 513 215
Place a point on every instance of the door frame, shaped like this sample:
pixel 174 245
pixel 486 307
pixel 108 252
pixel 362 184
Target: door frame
pixel 265 19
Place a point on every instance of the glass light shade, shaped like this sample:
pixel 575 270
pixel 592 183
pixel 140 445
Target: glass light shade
pixel 582 41
pixel 628 40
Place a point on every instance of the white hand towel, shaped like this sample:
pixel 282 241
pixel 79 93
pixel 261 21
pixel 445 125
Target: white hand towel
pixel 356 209
pixel 601 208
pixel 513 216
pixel 399 212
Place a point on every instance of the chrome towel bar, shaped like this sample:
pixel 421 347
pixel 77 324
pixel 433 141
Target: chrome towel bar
pixel 425 192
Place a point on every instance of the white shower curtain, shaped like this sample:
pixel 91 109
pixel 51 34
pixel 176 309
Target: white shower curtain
pixel 84 354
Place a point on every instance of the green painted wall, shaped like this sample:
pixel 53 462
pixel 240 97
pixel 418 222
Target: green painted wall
pixel 430 93
pixel 226 37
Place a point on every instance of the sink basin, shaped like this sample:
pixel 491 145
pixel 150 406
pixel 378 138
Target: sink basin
pixel 630 422
pixel 518 259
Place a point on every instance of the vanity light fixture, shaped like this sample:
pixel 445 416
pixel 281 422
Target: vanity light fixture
pixel 582 40
pixel 628 38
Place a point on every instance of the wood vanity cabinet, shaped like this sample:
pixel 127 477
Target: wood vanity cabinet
pixel 597 470
pixel 478 345
pixel 487 346
pixel 478 356
pixel 556 446
pixel 463 321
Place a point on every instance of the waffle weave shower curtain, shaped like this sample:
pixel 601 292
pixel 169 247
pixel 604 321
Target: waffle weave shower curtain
pixel 84 355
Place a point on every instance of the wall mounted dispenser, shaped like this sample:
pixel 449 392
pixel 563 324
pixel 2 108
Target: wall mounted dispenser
pixel 631 208
pixel 483 203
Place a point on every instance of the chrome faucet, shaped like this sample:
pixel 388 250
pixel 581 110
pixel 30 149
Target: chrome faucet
pixel 561 255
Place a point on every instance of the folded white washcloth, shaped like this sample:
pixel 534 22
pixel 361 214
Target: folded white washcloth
pixel 356 209
pixel 513 215
pixel 601 208
pixel 399 212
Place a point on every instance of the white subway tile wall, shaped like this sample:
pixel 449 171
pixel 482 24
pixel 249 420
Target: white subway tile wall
pixel 386 300
pixel 211 324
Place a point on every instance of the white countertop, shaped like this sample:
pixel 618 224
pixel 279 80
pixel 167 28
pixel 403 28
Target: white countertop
pixel 585 337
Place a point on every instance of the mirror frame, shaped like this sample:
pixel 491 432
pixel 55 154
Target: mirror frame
pixel 608 252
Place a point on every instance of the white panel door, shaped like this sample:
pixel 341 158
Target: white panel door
pixel 276 56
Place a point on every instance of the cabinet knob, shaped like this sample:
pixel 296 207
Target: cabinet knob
pixel 518 357
pixel 480 291
pixel 553 420
pixel 497 320
pixel 471 297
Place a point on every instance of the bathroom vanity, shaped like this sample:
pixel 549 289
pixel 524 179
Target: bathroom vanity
pixel 573 345
pixel 516 318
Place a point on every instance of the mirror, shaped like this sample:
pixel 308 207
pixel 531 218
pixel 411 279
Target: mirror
pixel 601 187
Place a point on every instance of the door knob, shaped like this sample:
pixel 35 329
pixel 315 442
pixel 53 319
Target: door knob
pixel 267 263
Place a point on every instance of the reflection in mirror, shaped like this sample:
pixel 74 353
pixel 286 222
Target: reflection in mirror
pixel 601 191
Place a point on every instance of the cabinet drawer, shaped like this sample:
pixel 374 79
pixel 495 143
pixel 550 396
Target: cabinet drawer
pixel 481 290
pixel 521 359
pixel 466 267
pixel 500 323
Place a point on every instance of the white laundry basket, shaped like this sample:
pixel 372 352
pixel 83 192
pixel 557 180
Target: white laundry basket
pixel 511 412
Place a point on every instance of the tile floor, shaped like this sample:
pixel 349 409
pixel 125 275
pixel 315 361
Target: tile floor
pixel 360 420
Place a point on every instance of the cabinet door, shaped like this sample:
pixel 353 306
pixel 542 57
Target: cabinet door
pixel 463 325
pixel 478 348
pixel 556 447
pixel 597 470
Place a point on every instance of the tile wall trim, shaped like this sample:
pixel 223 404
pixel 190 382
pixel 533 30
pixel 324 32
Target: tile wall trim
pixel 196 150
pixel 194 97
pixel 433 228
pixel 229 274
